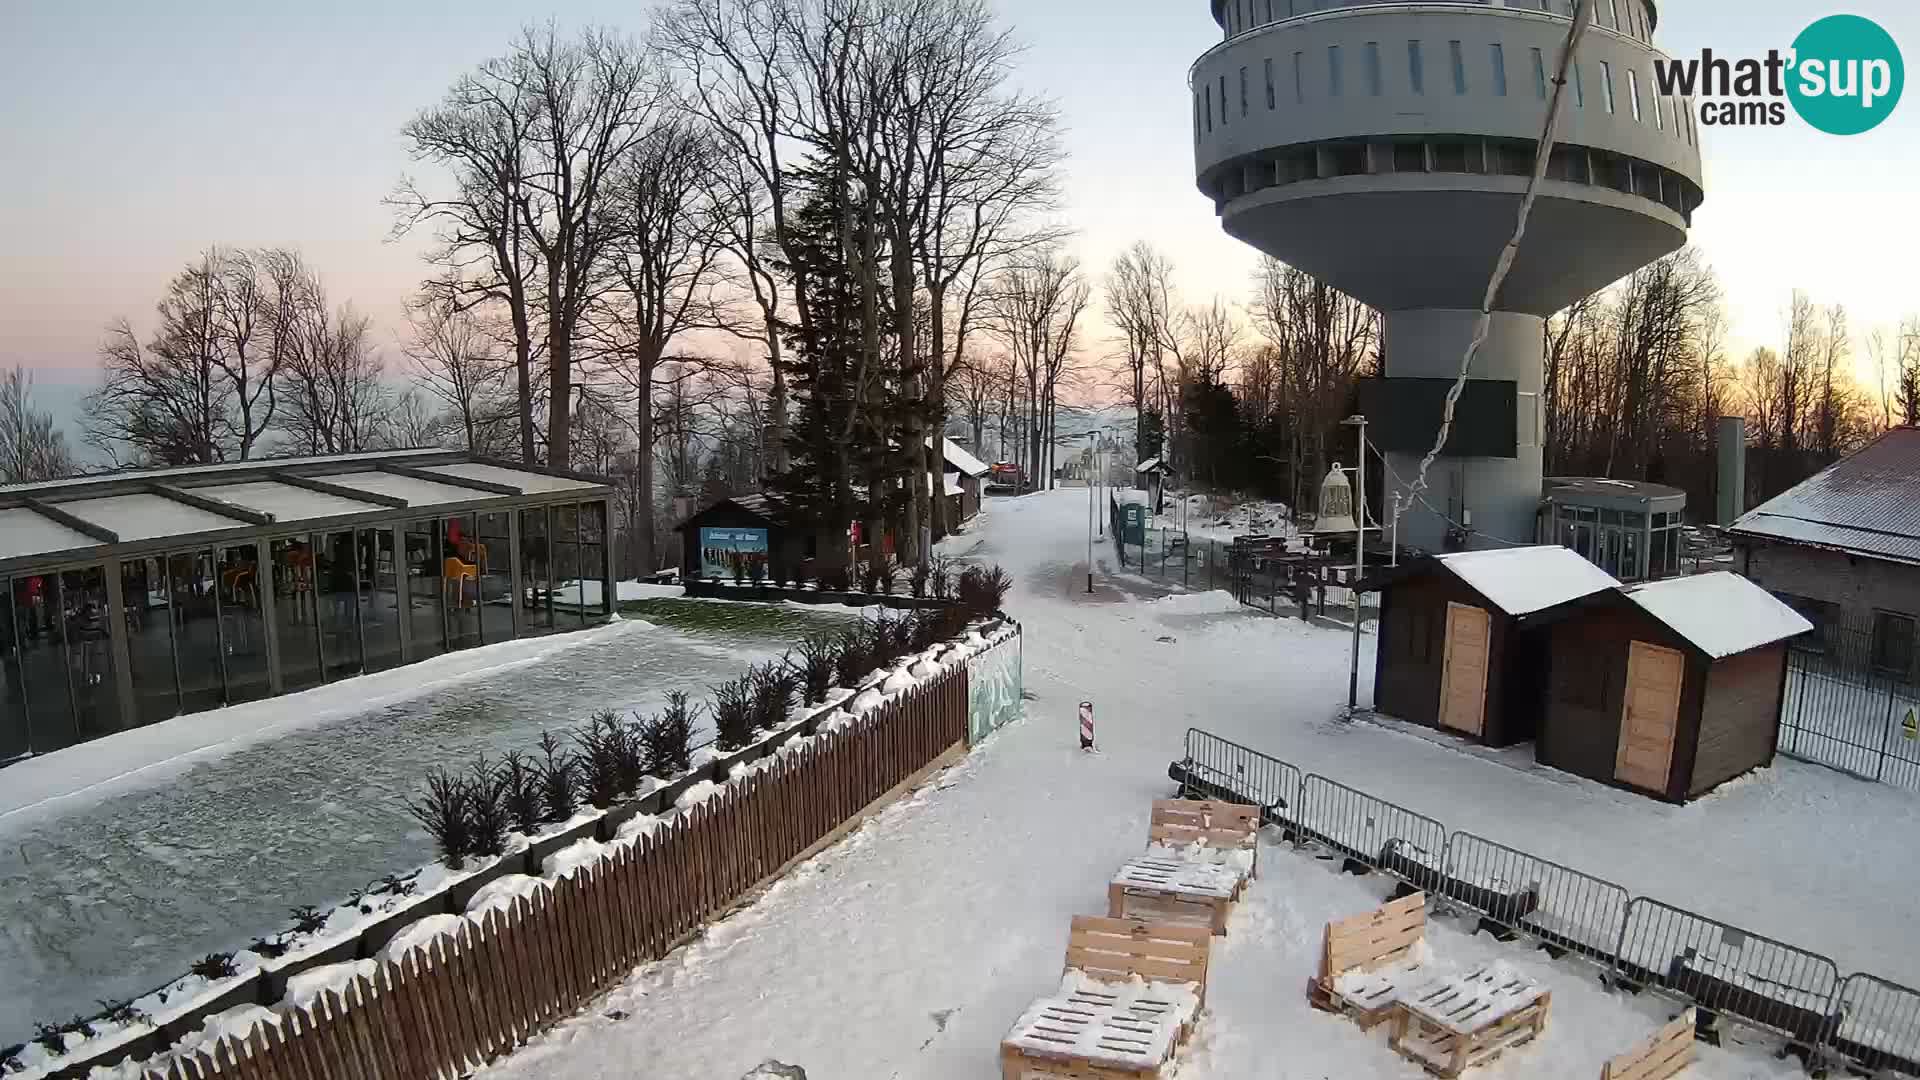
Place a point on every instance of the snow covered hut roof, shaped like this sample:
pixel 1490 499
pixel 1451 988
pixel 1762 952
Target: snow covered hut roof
pixel 1524 580
pixel 1152 464
pixel 1868 503
pixel 1722 613
pixel 960 459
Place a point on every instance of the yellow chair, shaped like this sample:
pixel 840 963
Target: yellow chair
pixel 458 573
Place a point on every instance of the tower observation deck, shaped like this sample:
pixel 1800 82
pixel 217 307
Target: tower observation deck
pixel 1384 149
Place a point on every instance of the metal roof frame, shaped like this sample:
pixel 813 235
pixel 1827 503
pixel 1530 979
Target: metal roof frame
pixel 449 479
pixel 322 487
pixel 250 524
pixel 72 521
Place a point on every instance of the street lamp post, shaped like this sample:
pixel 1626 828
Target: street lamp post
pixel 1093 439
pixel 1359 424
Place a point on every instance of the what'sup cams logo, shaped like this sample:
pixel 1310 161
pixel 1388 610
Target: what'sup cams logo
pixel 1843 75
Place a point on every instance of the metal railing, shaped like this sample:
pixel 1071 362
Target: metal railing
pixel 1848 715
pixel 1879 1024
pixel 1383 835
pixel 1721 967
pixel 1219 769
pixel 1863 1020
pixel 1554 904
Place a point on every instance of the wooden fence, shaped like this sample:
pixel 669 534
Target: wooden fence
pixel 472 996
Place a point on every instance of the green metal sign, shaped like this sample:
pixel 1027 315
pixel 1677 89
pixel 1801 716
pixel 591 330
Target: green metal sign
pixel 1135 522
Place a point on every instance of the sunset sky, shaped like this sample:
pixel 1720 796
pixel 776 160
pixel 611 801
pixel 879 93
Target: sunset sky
pixel 136 134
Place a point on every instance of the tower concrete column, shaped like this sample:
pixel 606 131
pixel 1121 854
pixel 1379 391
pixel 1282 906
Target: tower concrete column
pixel 1494 498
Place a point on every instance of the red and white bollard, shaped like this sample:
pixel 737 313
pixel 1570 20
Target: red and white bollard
pixel 1086 725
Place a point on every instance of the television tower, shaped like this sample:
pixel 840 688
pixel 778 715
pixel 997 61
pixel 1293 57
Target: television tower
pixel 1384 148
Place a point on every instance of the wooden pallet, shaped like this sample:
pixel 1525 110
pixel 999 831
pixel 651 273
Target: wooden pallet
pixel 1380 943
pixel 1455 1024
pixel 1171 892
pixel 1121 1029
pixel 1665 1053
pixel 1226 826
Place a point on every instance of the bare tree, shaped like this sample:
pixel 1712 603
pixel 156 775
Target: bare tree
pixel 593 98
pixel 162 403
pixel 1798 372
pixel 32 446
pixel 1140 304
pixel 414 422
pixel 1037 307
pixel 457 367
pixel 205 386
pixel 973 387
pixel 664 254
pixel 1762 385
pixel 745 83
pixel 1907 382
pixel 482 133
pixel 332 397
pixel 1835 350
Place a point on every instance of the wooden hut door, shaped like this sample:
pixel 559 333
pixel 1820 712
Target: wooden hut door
pixel 1649 716
pixel 1463 669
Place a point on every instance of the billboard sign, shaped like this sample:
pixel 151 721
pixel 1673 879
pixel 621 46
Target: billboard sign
pixel 728 553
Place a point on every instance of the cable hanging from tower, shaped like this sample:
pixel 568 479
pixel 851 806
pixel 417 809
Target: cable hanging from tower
pixel 1582 16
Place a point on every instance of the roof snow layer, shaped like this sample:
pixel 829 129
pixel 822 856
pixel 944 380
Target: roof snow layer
pixel 1523 580
pixel 962 460
pixel 1722 613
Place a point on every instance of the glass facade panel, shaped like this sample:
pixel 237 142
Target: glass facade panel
pixel 567 606
pixel 337 579
pixel 96 696
pixel 144 591
pixel 593 559
pixel 15 731
pixel 1630 568
pixel 43 661
pixel 242 630
pixel 536 570
pixel 380 607
pixel 460 574
pixel 495 554
pixel 426 620
pixel 193 609
pixel 193 621
pixel 296 611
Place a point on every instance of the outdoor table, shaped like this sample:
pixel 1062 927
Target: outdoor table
pixel 1457 1022
pixel 1175 891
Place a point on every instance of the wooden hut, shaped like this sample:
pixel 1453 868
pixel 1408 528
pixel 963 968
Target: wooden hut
pixel 1452 653
pixel 963 476
pixel 1668 688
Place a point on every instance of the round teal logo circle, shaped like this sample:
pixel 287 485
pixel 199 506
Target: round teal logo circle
pixel 1846 76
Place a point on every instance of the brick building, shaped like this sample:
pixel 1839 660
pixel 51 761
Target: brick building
pixel 1843 548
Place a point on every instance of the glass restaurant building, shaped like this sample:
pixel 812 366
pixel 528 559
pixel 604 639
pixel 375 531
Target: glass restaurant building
pixel 131 597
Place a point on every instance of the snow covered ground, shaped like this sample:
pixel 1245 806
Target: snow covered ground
pixel 1222 519
pixel 909 949
pixel 123 860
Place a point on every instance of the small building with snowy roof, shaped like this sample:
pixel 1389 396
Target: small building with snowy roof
pixel 963 475
pixel 1842 547
pixel 1668 688
pixel 1454 652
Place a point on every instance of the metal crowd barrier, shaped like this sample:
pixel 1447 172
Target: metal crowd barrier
pixel 1554 904
pixel 1216 768
pixel 1879 1025
pixel 1865 1021
pixel 1723 968
pixel 1377 833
